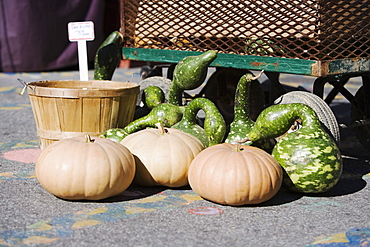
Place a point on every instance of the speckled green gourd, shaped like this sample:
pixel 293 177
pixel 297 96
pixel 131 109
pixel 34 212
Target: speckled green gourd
pixel 214 124
pixel 108 56
pixel 165 114
pixel 310 157
pixel 242 123
pixel 153 96
pixel 189 74
pixel 116 134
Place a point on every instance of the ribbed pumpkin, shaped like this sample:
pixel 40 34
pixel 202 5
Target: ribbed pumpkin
pixel 85 169
pixel 162 155
pixel 233 174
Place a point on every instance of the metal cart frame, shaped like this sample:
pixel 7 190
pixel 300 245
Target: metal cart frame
pixel 326 39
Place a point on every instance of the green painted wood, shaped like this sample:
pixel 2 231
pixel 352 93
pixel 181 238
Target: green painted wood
pixel 273 64
pixel 344 66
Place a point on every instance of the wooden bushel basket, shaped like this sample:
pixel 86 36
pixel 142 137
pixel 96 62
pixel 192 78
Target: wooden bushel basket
pixel 64 109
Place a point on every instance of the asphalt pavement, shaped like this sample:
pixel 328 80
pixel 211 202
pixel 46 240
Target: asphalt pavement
pixel 159 216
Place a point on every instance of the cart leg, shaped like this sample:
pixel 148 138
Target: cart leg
pixel 360 114
pixel 337 82
pixel 366 85
pixel 319 84
pixel 361 101
pixel 331 95
pixel 170 70
pixel 276 88
pixel 347 94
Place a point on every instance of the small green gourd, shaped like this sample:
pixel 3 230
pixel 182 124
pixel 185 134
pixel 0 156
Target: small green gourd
pixel 242 123
pixel 115 134
pixel 151 97
pixel 310 157
pixel 189 74
pixel 214 124
pixel 108 56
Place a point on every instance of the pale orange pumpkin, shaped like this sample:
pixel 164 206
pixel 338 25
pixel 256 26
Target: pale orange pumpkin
pixel 82 168
pixel 233 174
pixel 162 155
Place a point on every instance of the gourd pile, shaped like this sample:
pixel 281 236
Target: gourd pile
pixel 244 163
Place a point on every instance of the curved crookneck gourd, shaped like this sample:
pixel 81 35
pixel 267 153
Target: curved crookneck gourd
pixel 164 113
pixel 180 117
pixel 151 97
pixel 189 74
pixel 214 124
pixel 242 123
pixel 108 56
pixel 310 157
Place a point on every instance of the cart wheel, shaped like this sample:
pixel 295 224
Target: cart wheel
pixel 220 89
pixel 322 109
pixel 362 132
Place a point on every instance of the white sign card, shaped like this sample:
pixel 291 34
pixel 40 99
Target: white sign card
pixel 81 32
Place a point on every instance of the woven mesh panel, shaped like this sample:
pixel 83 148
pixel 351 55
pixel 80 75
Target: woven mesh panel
pixel 307 29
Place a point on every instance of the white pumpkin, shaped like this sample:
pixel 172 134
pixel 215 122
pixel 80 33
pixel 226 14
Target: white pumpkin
pixel 162 156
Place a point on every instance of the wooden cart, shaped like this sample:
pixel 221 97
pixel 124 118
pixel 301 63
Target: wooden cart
pixel 323 38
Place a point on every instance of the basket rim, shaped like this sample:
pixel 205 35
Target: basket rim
pixel 82 89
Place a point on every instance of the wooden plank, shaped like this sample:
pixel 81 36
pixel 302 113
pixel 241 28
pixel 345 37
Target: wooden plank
pixel 273 64
pixel 343 66
pixel 69 114
pixel 91 114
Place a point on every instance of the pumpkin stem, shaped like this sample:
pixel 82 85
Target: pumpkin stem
pixel 239 148
pixel 88 139
pixel 248 140
pixel 161 128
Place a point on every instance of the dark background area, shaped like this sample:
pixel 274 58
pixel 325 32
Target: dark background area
pixel 34 34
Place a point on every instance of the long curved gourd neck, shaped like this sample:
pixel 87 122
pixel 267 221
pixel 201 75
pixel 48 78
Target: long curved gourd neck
pixel 306 114
pixel 195 106
pixel 214 123
pixel 175 94
pixel 164 113
pixel 242 99
pixel 276 120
